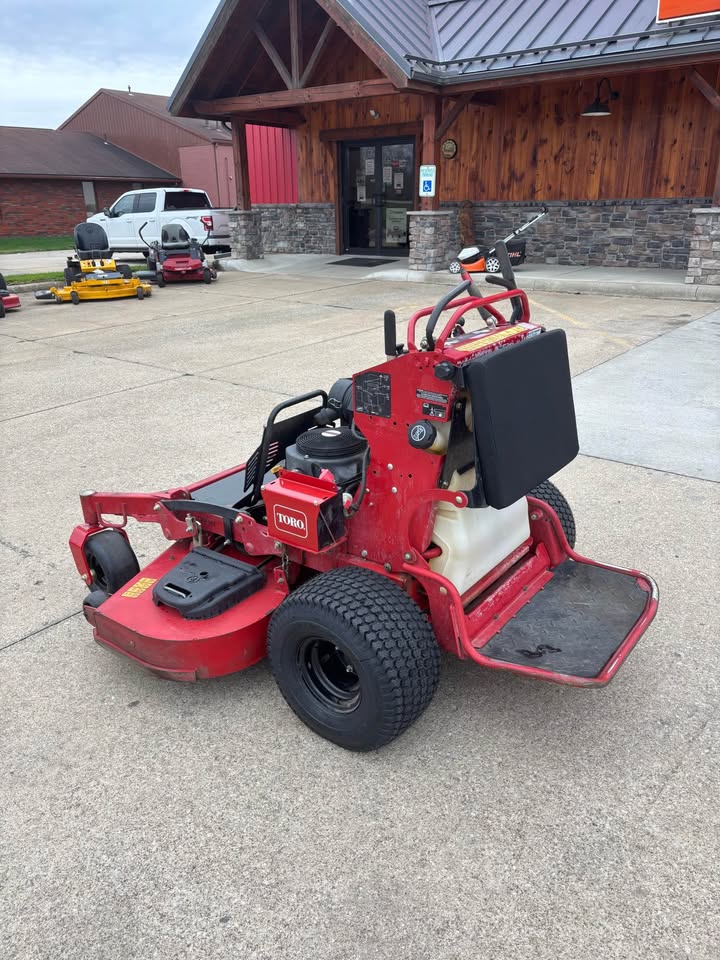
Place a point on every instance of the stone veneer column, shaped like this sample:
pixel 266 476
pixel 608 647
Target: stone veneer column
pixel 704 259
pixel 433 238
pixel 246 235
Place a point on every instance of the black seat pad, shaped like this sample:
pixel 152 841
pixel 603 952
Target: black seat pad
pixel 524 416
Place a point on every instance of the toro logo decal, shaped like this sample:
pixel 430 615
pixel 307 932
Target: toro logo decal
pixel 290 520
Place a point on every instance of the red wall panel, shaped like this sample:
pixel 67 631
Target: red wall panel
pixel 272 157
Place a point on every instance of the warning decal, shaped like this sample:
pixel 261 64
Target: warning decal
pixel 139 587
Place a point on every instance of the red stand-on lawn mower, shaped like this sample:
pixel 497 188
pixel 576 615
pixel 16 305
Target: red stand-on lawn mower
pixel 8 301
pixel 177 257
pixel 407 511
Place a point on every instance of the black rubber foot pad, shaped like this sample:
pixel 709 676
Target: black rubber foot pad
pixel 574 624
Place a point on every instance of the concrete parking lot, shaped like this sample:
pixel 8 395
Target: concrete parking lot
pixel 516 819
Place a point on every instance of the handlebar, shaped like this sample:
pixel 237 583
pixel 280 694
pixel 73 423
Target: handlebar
pixel 438 309
pixel 140 231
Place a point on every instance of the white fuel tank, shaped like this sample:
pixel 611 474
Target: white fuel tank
pixel 473 541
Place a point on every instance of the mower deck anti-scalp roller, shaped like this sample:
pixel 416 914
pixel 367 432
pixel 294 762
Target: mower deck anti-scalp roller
pixel 405 511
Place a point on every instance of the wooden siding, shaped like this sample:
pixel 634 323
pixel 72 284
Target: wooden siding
pixel 662 139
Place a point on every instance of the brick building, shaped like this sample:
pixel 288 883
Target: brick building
pixel 51 180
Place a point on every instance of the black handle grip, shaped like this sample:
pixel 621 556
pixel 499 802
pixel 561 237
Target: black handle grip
pixel 390 326
pixel 438 309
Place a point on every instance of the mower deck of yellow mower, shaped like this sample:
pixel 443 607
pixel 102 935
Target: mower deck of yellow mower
pixel 99 280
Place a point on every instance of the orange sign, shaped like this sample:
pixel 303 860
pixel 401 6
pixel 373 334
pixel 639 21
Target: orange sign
pixel 681 9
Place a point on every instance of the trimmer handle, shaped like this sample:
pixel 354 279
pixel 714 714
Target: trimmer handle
pixel 507 280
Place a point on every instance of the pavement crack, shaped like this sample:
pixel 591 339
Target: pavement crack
pixel 34 633
pixel 99 396
pixel 20 551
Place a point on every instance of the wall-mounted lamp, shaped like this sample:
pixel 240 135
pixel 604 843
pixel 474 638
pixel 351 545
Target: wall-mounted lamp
pixel 601 108
pixel 374 114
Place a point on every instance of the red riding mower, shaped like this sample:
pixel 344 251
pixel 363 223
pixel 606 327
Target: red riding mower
pixel 408 511
pixel 8 301
pixel 177 257
pixel 476 260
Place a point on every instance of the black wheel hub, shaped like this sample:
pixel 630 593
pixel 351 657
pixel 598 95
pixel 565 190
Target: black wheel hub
pixel 329 674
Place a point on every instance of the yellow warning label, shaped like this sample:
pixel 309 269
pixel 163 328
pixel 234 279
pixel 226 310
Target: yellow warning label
pixel 139 587
pixel 469 345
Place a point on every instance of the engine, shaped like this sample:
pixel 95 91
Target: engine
pixel 337 449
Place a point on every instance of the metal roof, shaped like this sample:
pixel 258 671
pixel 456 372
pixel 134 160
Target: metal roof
pixel 36 152
pixel 450 40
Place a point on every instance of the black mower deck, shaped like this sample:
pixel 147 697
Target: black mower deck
pixel 575 624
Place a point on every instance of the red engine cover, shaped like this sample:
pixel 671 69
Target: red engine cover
pixel 304 511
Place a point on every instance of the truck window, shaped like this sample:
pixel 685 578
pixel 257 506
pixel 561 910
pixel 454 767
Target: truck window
pixel 146 202
pixel 186 200
pixel 124 205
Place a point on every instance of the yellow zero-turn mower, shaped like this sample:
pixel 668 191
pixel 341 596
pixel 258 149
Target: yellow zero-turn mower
pixel 93 274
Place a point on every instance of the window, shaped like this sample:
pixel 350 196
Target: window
pixel 125 204
pixel 88 189
pixel 186 200
pixel 146 203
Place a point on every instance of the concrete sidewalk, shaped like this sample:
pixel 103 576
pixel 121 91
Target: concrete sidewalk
pixel 607 281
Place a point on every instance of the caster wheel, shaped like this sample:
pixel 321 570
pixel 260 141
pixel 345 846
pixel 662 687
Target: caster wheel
pixel 140 293
pixel 161 280
pixel 74 297
pixel 207 276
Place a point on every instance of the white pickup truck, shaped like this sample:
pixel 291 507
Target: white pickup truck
pixel 157 207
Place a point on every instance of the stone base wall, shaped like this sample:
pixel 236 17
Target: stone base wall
pixel 604 233
pixel 703 264
pixel 298 227
pixel 434 238
pixel 246 242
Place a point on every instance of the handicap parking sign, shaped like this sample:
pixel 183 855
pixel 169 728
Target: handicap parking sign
pixel 428 176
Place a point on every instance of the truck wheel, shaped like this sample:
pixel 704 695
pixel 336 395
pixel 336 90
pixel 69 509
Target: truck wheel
pixel 354 657
pixel 112 562
pixel 549 494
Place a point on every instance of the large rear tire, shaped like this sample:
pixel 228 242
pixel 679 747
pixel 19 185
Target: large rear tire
pixel 549 493
pixel 354 657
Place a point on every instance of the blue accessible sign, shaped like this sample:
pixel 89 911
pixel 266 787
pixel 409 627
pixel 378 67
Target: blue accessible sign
pixel 428 177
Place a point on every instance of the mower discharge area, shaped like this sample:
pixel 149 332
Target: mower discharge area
pixel 92 274
pixel 405 511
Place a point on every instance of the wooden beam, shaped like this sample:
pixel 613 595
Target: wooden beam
pixel 240 165
pixel 383 61
pixel 453 113
pixel 273 118
pixel 328 29
pixel 295 42
pixel 706 89
pixel 294 98
pixel 430 151
pixel 370 132
pixel 273 54
pixel 716 188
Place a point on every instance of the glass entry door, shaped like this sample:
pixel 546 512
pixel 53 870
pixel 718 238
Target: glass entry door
pixel 378 188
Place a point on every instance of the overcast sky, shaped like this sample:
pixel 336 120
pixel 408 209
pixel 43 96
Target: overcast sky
pixel 55 54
